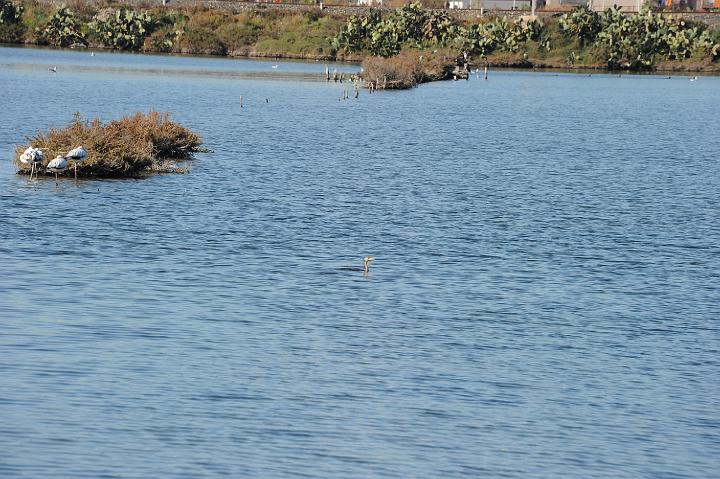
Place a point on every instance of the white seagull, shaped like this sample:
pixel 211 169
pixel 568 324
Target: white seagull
pixel 34 156
pixel 76 155
pixel 58 165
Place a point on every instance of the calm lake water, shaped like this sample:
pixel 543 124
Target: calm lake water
pixel 544 302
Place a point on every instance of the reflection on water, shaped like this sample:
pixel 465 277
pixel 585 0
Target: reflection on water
pixel 543 302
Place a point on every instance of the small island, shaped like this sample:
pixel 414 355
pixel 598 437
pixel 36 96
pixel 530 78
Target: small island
pixel 132 146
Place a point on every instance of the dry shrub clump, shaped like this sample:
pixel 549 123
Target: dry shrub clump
pixel 130 146
pixel 408 69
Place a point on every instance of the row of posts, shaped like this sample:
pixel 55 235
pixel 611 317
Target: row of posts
pixel 373 85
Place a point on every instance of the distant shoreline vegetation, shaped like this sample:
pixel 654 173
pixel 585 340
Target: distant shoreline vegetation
pixel 579 39
pixel 129 147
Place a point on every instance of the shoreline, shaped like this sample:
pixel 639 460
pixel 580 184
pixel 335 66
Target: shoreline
pixel 500 66
pixel 687 66
pixel 397 49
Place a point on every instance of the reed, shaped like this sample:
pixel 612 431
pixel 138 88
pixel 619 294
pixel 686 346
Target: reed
pixel 131 146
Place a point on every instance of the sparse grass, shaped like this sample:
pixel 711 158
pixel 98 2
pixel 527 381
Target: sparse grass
pixel 306 35
pixel 127 147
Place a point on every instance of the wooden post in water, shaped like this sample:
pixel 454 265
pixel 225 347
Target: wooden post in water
pixel 385 82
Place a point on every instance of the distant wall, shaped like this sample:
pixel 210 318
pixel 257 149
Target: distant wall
pixel 712 19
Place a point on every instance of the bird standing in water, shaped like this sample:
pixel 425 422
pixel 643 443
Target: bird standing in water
pixel 33 156
pixel 76 155
pixel 58 165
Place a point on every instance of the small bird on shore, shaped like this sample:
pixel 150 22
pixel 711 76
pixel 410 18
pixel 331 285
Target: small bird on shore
pixel 33 156
pixel 76 155
pixel 57 165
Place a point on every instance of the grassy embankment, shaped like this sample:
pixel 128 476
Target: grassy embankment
pixel 260 33
pixel 403 48
pixel 580 39
pixel 132 146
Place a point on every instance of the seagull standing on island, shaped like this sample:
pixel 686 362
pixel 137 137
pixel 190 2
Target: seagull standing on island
pixel 34 156
pixel 76 155
pixel 58 165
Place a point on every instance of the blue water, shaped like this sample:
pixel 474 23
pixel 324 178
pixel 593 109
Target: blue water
pixel 544 302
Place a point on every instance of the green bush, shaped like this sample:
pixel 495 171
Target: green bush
pixel 9 12
pixel 200 41
pixel 62 30
pixel 163 39
pixel 582 23
pixel 122 29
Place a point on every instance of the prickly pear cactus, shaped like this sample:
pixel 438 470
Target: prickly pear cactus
pixel 63 29
pixel 122 29
pixel 9 12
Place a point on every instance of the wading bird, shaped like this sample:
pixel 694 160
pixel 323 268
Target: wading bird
pixel 34 156
pixel 76 155
pixel 58 165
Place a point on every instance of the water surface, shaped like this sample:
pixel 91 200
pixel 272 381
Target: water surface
pixel 544 301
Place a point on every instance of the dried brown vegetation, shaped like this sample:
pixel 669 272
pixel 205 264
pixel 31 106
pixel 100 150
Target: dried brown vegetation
pixel 408 69
pixel 131 146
